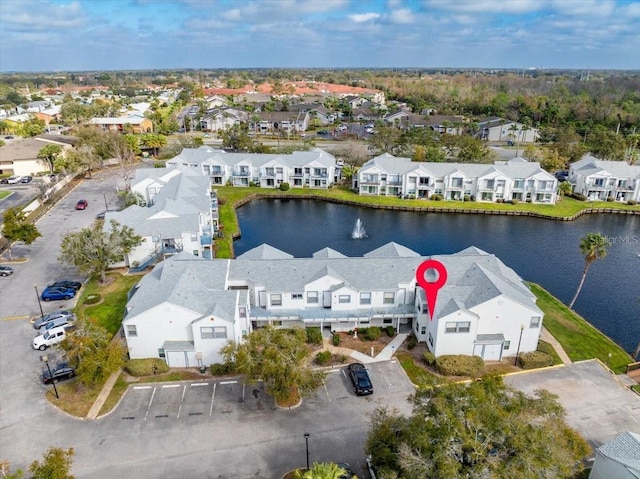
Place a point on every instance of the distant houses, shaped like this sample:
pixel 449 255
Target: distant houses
pixel 137 122
pixel 186 309
pixel 516 180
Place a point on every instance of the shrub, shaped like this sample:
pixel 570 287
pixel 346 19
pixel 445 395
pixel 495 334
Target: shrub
pixel 284 186
pixel 466 198
pixel 610 199
pixel 336 340
pixel 500 200
pixel 429 358
pixel 92 299
pixel 436 197
pixel 632 202
pixel 146 367
pixel 459 365
pixel 391 331
pixel 314 336
pixel 323 357
pixel 535 360
pixel 515 201
pixel 370 334
pixel 412 342
pixel 529 200
pixel 578 196
pixel 218 369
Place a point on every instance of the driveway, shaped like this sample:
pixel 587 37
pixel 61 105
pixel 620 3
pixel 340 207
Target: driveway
pixel 597 405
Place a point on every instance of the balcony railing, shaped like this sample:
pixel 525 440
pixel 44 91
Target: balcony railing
pixel 241 173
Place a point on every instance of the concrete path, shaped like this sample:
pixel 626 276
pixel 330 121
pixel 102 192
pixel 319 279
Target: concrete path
pixel 104 394
pixel 546 336
pixel 384 355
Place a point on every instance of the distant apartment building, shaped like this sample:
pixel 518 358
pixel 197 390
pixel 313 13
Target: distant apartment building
pixel 600 180
pixel 517 179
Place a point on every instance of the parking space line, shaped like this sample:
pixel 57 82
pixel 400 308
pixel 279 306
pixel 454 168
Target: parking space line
pixel 150 401
pixel 194 385
pixel 170 386
pixel 324 385
pixel 228 382
pixel 184 390
pixel 142 387
pixel 243 386
pixel 213 395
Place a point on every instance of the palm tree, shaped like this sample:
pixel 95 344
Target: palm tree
pixel 322 470
pixel 593 247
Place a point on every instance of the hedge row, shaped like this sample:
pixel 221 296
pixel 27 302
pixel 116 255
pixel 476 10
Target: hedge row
pixel 459 365
pixel 146 367
pixel 535 360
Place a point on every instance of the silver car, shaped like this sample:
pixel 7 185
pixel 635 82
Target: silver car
pixel 47 318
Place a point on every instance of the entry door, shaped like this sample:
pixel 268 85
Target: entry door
pixel 326 299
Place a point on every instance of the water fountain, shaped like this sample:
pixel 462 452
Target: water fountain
pixel 358 231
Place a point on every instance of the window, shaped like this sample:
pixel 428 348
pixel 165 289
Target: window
pixel 423 330
pixel 457 327
pixel 518 184
pixel 161 353
pixel 194 236
pixel 344 299
pixel 456 182
pixel 506 345
pixel 312 296
pixel 296 295
pixel 535 322
pixel 598 182
pixel 430 339
pixel 276 299
pixel 365 298
pixel 389 298
pixel 132 332
pixel 242 311
pixel 489 184
pixel 196 252
pixel 211 332
pixel 387 321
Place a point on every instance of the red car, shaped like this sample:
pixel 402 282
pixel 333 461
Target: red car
pixel 82 204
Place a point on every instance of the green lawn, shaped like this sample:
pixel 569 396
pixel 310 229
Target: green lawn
pixel 231 196
pixel 4 194
pixel 109 311
pixel 578 337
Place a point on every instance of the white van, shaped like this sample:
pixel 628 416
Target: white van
pixel 51 337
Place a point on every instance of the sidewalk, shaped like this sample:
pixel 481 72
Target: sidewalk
pixel 384 355
pixel 546 336
pixel 104 394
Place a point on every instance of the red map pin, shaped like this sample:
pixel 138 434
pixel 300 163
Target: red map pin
pixel 431 289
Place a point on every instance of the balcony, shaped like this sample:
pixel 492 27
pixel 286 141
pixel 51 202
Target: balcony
pixel 215 172
pixel 267 174
pixel 241 173
pixel 319 175
pixel 206 240
pixel 296 174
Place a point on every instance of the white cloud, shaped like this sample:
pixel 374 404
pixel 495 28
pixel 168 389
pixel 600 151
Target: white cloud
pixel 364 17
pixel 487 6
pixel 596 8
pixel 402 16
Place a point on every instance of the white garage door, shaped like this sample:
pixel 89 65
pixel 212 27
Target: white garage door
pixel 488 352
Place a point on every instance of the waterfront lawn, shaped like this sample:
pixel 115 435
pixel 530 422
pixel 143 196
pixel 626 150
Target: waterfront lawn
pixel 109 311
pixel 577 336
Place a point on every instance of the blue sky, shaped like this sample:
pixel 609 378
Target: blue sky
pixel 46 35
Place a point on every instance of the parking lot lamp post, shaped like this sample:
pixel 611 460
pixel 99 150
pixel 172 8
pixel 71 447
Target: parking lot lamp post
pixel 306 440
pixel 39 302
pixel 45 359
pixel 106 206
pixel 515 363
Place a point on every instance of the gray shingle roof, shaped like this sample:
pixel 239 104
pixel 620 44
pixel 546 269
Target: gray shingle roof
pixel 328 253
pixel 624 449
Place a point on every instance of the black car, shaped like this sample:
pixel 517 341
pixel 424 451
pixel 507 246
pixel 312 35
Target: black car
pixel 26 179
pixel 58 373
pixel 360 378
pixel 65 283
pixel 4 181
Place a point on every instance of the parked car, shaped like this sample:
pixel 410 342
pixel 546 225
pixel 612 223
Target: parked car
pixel 26 179
pixel 49 317
pixel 58 373
pixel 5 270
pixel 101 216
pixel 62 321
pixel 359 375
pixel 66 283
pixel 57 294
pixel 52 337
pixel 15 179
pixel 82 204
pixel 348 473
pixel 4 181
pixel 343 127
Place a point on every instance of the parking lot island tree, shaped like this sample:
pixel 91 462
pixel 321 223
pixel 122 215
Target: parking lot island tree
pixel 55 464
pixel 15 227
pixel 593 247
pixel 279 358
pixel 92 250
pixel 480 429
pixel 48 155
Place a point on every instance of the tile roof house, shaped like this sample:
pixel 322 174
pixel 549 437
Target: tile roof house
pixel 180 214
pixel 187 308
pixel 598 179
pixel 618 458
pixel 138 123
pixel 314 169
pixel 517 179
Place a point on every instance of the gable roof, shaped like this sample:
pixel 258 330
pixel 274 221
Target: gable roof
pixel 624 449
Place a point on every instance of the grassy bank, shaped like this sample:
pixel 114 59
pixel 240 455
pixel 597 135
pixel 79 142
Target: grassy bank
pixel 577 336
pixel 231 196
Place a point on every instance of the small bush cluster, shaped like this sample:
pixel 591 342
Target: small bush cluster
pixel 632 202
pixel 466 198
pixel 369 334
pixel 391 331
pixel 323 357
pixel 460 365
pixel 284 186
pixel 429 358
pixel 535 360
pixel 610 199
pixel 218 369
pixel 336 340
pixel 92 299
pixel 436 197
pixel 314 336
pixel 578 196
pixel 499 200
pixel 412 342
pixel 529 200
pixel 146 367
pixel 515 201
